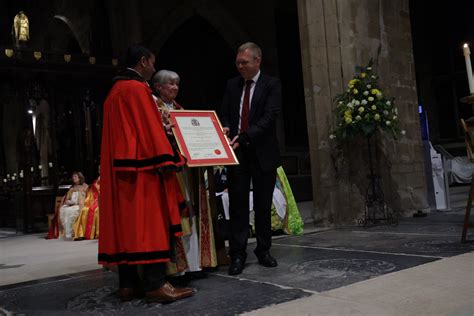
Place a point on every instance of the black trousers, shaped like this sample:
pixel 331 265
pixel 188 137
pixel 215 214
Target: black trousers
pixel 263 184
pixel 153 276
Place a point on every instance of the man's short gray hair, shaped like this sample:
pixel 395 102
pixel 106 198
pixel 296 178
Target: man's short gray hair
pixel 164 76
pixel 256 51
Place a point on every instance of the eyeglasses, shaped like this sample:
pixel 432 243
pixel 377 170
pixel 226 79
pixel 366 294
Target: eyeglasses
pixel 243 62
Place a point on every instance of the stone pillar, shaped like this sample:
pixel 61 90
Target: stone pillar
pixel 319 85
pixel 337 35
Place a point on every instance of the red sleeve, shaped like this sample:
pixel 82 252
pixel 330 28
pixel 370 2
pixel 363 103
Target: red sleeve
pixel 138 139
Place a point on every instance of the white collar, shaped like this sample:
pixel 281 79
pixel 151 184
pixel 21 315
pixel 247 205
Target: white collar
pixel 255 78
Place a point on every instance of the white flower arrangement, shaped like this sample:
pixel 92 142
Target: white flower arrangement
pixel 366 112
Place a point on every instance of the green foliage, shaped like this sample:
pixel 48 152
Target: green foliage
pixel 363 108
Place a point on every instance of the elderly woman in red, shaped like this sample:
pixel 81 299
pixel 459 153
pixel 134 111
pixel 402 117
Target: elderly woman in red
pixel 196 251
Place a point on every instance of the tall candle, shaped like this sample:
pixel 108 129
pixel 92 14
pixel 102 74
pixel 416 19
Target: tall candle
pixel 467 57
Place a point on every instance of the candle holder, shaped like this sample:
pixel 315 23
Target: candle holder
pixel 468 128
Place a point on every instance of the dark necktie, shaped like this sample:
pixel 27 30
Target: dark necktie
pixel 244 117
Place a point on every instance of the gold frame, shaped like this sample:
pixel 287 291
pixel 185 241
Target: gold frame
pixel 180 140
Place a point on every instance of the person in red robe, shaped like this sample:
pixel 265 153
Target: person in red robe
pixel 138 209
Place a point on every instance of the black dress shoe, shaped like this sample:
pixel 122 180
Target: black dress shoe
pixel 236 266
pixel 267 261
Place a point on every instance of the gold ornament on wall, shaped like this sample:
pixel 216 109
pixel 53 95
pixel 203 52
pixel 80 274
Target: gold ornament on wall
pixel 92 60
pixel 21 29
pixel 114 62
pixel 8 52
pixel 67 58
pixel 37 55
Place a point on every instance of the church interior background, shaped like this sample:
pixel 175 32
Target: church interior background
pixel 54 84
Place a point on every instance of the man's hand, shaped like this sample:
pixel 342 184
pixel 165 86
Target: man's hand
pixel 226 132
pixel 168 128
pixel 235 142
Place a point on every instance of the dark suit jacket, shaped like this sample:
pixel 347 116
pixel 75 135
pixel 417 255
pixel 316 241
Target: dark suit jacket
pixel 264 109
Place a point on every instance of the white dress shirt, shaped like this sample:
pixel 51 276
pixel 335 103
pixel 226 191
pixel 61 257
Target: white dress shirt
pixel 252 89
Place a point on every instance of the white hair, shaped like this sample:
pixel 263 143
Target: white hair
pixel 252 47
pixel 165 76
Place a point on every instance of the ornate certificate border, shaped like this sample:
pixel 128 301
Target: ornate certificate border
pixel 200 138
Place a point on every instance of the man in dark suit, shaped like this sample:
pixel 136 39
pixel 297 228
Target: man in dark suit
pixel 250 107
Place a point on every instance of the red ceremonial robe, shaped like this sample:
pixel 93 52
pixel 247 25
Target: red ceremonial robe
pixel 138 207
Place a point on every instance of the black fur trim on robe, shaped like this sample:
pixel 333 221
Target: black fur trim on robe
pixel 128 74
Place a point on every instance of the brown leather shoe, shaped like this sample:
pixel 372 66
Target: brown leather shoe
pixel 167 294
pixel 127 294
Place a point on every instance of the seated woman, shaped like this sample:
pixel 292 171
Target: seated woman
pixel 87 223
pixel 71 205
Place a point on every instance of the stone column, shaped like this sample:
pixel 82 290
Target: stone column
pixel 337 35
pixel 320 86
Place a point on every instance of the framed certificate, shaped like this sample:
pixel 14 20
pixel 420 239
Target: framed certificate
pixel 200 138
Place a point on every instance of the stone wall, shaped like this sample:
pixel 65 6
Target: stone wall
pixel 337 35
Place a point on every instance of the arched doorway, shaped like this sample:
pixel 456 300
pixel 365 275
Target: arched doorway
pixel 60 37
pixel 203 60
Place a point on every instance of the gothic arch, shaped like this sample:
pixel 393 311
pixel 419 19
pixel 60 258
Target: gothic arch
pixel 63 35
pixel 202 58
pixel 214 13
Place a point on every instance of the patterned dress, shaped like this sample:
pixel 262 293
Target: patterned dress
pixel 196 249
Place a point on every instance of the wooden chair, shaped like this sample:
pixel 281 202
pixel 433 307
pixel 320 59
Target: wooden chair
pixel 468 127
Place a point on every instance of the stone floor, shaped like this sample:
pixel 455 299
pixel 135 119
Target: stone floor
pixel 372 271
